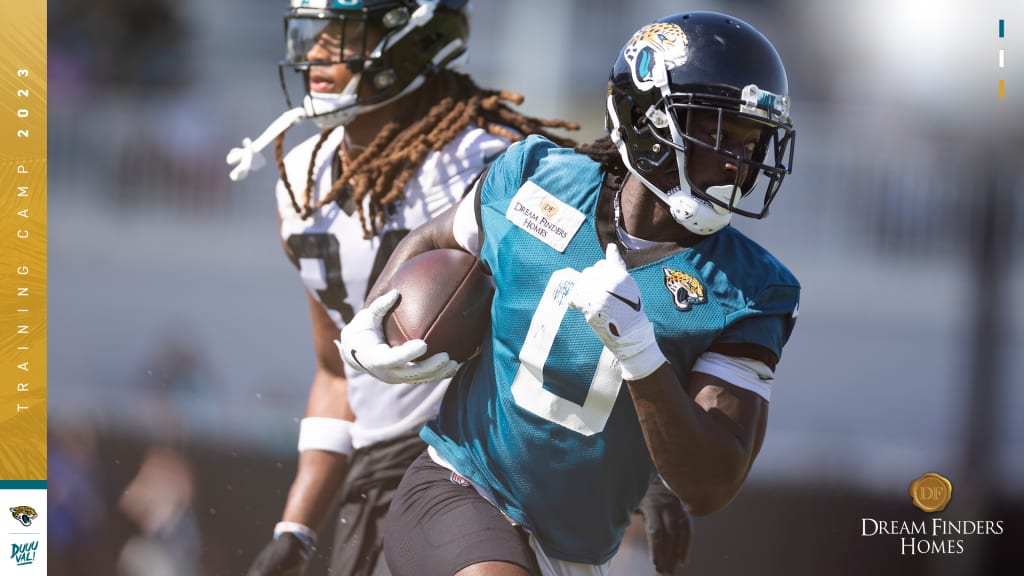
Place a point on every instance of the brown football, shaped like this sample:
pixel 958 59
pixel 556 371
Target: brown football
pixel 446 301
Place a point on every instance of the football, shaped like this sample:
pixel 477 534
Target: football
pixel 446 301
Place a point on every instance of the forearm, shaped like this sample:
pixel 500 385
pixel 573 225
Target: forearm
pixel 321 470
pixel 436 233
pixel 318 479
pixel 702 454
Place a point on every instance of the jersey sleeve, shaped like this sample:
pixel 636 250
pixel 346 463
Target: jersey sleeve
pixel 767 324
pixel 511 169
pixel 497 188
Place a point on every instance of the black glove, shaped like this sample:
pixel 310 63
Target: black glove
pixel 285 555
pixel 668 526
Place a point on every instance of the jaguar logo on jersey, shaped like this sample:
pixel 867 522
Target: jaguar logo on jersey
pixel 686 290
pixel 653 50
pixel 24 514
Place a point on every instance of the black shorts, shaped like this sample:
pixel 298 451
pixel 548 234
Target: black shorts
pixel 438 524
pixel 373 476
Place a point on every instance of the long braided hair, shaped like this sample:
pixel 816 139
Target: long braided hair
pixel 441 109
pixel 604 152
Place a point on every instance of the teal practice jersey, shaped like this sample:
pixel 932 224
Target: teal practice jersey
pixel 542 417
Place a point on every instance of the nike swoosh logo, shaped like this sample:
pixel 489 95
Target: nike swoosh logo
pixel 356 359
pixel 628 302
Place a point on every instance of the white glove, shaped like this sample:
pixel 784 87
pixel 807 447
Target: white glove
pixel 363 347
pixel 610 301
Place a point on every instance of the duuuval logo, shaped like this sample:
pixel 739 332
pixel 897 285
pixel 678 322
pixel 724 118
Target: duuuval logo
pixel 24 554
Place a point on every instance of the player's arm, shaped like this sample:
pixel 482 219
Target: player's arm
pixel 703 444
pixel 324 444
pixel 438 232
pixel 458 227
pixel 323 458
pixel 322 464
pixel 362 344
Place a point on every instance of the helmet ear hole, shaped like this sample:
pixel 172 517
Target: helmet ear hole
pixel 637 120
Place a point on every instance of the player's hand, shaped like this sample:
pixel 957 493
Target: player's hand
pixel 669 528
pixel 363 347
pixel 285 555
pixel 610 301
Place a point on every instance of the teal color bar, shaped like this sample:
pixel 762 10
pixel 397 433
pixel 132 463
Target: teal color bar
pixel 1002 28
pixel 22 484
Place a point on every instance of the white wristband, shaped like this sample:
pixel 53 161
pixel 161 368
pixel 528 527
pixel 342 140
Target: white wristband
pixel 304 534
pixel 295 528
pixel 328 434
pixel 640 357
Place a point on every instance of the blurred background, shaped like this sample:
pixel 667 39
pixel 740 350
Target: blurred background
pixel 179 338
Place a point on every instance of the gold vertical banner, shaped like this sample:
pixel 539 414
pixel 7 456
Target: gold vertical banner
pixel 23 236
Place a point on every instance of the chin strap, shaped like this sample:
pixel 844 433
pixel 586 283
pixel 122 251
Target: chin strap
pixel 698 215
pixel 248 158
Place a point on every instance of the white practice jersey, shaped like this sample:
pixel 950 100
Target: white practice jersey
pixel 336 262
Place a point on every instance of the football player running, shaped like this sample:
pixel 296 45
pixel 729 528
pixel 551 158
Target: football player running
pixel 635 333
pixel 403 136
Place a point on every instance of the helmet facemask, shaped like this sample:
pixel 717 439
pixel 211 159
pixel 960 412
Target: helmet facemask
pixel 417 38
pixel 771 156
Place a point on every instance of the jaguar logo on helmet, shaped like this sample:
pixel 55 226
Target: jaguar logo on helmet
pixel 653 50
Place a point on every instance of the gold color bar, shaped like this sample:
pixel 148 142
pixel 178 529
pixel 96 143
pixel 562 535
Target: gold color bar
pixel 23 236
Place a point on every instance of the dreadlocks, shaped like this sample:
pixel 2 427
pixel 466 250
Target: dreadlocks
pixel 604 152
pixel 449 103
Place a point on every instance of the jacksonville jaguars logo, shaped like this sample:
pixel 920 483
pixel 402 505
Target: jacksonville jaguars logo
pixel 686 290
pixel 653 51
pixel 24 514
